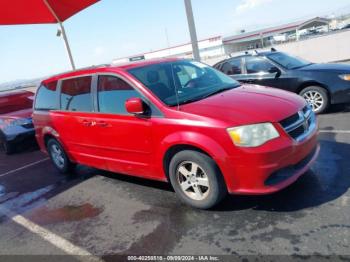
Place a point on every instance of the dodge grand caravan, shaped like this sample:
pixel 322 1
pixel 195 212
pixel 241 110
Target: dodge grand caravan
pixel 179 121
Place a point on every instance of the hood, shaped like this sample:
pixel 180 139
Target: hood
pixel 331 68
pixel 25 113
pixel 248 104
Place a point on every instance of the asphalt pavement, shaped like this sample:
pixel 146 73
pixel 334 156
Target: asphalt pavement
pixel 101 216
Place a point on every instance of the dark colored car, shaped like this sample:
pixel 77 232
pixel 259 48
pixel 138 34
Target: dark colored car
pixel 16 124
pixel 320 84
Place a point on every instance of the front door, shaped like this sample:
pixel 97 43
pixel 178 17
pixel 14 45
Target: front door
pixel 260 71
pixel 122 139
pixel 234 68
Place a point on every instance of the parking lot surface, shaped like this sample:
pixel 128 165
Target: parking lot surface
pixel 101 214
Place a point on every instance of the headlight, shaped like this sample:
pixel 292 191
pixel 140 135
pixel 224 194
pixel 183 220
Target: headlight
pixel 18 122
pixel 345 77
pixel 253 135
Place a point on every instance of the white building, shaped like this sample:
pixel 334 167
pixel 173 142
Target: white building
pixel 209 48
pixel 278 34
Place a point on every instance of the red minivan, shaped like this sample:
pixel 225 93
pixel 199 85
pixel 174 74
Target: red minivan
pixel 179 121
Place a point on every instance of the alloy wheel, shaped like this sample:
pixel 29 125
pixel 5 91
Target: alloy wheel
pixel 193 181
pixel 315 99
pixel 57 156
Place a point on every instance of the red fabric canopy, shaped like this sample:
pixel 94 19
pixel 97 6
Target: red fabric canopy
pixel 16 12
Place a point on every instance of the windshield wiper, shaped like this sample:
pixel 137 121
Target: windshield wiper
pixel 218 91
pixel 195 99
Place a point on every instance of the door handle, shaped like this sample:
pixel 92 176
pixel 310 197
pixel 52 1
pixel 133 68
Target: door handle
pixel 103 124
pixel 88 123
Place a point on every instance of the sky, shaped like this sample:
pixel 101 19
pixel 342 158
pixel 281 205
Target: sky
pixel 118 28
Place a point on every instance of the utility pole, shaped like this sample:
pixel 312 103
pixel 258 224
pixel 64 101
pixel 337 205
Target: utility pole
pixel 192 28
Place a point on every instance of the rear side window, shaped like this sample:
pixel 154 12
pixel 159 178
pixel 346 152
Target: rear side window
pixel 46 98
pixel 76 94
pixel 112 94
pixel 258 65
pixel 232 67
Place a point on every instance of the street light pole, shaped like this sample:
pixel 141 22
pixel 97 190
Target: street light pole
pixel 192 28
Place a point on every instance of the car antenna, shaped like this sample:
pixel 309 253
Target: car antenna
pixel 273 49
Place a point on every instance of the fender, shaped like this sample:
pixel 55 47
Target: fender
pixel 195 139
pixel 52 132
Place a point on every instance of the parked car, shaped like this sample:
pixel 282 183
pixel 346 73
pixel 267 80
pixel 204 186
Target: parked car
pixel 179 121
pixel 16 124
pixel 320 84
pixel 346 26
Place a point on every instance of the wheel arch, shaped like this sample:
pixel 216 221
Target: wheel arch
pixel 49 133
pixel 191 141
pixel 173 150
pixel 313 83
pixel 47 137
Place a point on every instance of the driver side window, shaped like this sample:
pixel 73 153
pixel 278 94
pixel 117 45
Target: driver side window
pixel 112 94
pixel 257 65
pixel 186 73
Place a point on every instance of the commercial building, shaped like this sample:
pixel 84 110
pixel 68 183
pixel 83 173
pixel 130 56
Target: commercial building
pixel 317 39
pixel 209 48
pixel 278 34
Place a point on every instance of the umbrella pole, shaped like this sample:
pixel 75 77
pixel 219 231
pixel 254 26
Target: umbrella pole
pixel 66 44
pixel 65 39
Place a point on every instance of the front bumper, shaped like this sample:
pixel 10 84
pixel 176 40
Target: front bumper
pixel 17 135
pixel 272 167
pixel 340 92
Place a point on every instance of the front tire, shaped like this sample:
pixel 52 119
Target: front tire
pixel 9 148
pixel 59 157
pixel 197 179
pixel 317 97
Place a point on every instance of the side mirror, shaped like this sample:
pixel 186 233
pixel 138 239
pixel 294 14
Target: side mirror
pixel 275 70
pixel 135 106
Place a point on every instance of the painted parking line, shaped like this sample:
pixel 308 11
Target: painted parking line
pixel 335 131
pixel 24 167
pixel 50 237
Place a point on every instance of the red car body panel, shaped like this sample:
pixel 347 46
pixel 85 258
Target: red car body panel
pixel 143 143
pixel 24 113
pixel 17 102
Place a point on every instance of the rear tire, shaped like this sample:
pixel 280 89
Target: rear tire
pixel 317 97
pixel 197 179
pixel 59 157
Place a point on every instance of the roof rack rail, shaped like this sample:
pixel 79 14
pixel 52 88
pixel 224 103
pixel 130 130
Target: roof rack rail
pixel 80 69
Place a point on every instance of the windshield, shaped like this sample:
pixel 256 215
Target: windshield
pixel 287 61
pixel 183 82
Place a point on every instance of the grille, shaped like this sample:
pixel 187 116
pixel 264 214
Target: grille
pixel 297 132
pixel 301 124
pixel 28 126
pixel 290 120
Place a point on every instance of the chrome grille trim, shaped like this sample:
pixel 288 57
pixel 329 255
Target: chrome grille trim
pixel 306 120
